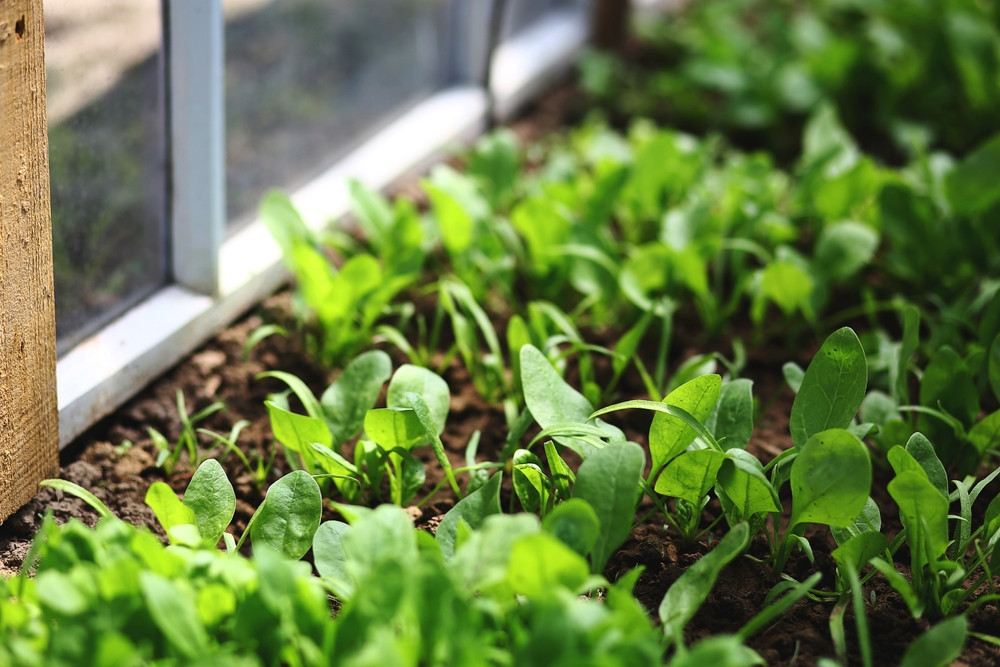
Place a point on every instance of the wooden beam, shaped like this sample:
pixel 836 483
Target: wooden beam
pixel 610 24
pixel 29 439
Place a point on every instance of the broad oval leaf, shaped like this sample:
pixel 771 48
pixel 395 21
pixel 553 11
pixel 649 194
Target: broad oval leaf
pixel 831 479
pixel 869 520
pixel 353 393
pixel 939 646
pixel 472 509
pixel 575 523
pixel 669 435
pixel 921 449
pixel 843 249
pixel 211 497
pixel 290 514
pixel 923 512
pixel 985 435
pixel 691 475
pixel 741 478
pixel 540 564
pixel 393 428
pixel 168 508
pixel 859 549
pixel 175 614
pixel 549 398
pixel 296 431
pixel 428 385
pixel 731 421
pixel 331 558
pixel 832 388
pixel 608 479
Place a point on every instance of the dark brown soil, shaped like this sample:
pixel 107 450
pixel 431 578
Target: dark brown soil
pixel 116 460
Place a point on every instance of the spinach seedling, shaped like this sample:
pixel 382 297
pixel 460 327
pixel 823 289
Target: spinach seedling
pixel 169 454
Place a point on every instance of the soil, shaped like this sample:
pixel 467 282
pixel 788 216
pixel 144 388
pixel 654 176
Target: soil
pixel 116 460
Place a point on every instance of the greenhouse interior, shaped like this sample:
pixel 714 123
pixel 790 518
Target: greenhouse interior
pixel 500 332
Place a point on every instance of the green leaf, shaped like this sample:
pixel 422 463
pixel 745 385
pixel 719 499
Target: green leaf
pixel 393 428
pixel 793 374
pixel 686 595
pixel 457 205
pixel 718 651
pixel 472 509
pixel 168 508
pixel 869 520
pixel 299 388
pixel 691 475
pixel 78 491
pixel 428 385
pixel 330 558
pixel 972 184
pixel 175 614
pixel 575 523
pixel 297 432
pixel 741 478
pixel 922 451
pixel 547 395
pixel 985 435
pixel 211 497
pixel 831 479
pixel 531 486
pixel 355 391
pixel 423 413
pixel 540 564
pixel 993 365
pixel 787 285
pixel 383 538
pixel 290 514
pixel 832 389
pixel 859 549
pixel 939 646
pixel 948 385
pixel 608 479
pixel 731 421
pixel 371 210
pixel 923 511
pixel 480 563
pixel 668 435
pixel 843 249
pixel 282 219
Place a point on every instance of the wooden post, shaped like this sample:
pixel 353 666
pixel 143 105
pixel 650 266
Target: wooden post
pixel 609 23
pixel 29 419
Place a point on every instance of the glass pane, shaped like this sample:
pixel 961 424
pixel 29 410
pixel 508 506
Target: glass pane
pixel 308 79
pixel 107 155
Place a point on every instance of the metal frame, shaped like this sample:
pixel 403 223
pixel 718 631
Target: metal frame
pixel 196 47
pixel 217 278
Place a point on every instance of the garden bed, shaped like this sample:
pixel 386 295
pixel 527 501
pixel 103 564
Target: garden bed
pixel 830 228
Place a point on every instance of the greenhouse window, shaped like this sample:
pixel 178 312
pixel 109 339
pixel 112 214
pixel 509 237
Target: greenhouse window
pixel 239 96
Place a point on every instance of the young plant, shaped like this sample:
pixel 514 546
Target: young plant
pixel 939 567
pixel 169 454
pixel 417 407
pixel 346 303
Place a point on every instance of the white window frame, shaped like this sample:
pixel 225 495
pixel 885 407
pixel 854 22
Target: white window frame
pixel 217 278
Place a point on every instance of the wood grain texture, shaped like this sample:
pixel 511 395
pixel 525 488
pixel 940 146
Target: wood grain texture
pixel 29 442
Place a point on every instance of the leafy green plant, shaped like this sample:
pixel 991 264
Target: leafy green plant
pixel 939 565
pixel 417 407
pixel 168 454
pixel 346 303
pixel 754 69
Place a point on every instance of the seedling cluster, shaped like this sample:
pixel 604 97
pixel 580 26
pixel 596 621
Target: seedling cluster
pixel 559 276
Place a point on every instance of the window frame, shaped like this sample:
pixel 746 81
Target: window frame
pixel 217 277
